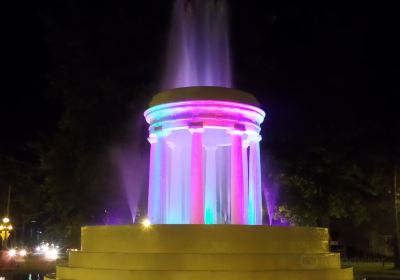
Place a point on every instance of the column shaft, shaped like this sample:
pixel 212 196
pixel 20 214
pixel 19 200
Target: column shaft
pixel 211 187
pixel 197 181
pixel 237 188
pixel 245 183
pixel 156 196
pixel 255 192
pixel 175 213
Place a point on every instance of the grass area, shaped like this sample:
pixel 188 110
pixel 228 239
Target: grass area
pixel 373 270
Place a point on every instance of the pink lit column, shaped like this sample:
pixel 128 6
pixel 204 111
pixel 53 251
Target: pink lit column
pixel 237 183
pixel 197 180
pixel 157 182
pixel 245 181
pixel 255 197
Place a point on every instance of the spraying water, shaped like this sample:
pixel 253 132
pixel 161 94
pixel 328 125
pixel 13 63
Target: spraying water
pixel 198 51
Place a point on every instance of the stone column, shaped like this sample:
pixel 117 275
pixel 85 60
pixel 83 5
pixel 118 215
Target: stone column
pixel 157 179
pixel 255 192
pixel 246 181
pixel 197 180
pixel 237 186
pixel 175 191
pixel 210 203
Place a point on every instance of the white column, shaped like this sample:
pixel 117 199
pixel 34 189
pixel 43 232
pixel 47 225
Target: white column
pixel 255 192
pixel 237 187
pixel 210 203
pixel 175 197
pixel 197 180
pixel 157 180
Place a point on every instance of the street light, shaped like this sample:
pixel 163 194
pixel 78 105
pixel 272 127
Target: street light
pixel 5 229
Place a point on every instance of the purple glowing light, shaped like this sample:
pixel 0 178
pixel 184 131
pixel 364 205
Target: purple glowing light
pixel 270 192
pixel 204 161
pixel 130 162
pixel 198 52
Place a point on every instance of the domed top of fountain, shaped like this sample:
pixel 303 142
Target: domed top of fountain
pixel 203 93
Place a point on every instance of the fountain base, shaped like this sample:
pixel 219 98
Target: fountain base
pixel 182 252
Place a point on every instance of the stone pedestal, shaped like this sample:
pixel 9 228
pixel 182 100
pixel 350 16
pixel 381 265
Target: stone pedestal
pixel 198 252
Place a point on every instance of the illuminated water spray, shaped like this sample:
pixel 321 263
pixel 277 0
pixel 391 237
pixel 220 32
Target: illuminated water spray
pixel 198 51
pixel 205 157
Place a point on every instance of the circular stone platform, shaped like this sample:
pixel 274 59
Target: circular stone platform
pixel 198 252
pixel 203 93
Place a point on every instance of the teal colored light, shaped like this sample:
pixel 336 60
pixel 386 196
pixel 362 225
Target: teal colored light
pixel 209 217
pixel 156 196
pixel 252 216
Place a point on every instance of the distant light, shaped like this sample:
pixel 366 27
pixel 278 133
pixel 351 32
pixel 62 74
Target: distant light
pixel 6 220
pixel 22 253
pixel 72 250
pixel 146 223
pixel 49 251
pixel 51 254
pixel 10 227
pixel 12 252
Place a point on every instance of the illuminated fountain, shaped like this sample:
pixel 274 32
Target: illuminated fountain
pixel 204 199
pixel 205 157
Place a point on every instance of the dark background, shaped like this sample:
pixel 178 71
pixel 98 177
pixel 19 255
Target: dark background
pixel 310 65
pixel 77 76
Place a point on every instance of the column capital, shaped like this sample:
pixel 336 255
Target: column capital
pixel 196 127
pixel 152 138
pixel 155 135
pixel 237 129
pixel 255 138
pixel 196 130
pixel 235 132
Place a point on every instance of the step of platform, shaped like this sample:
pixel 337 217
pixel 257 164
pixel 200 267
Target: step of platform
pixel 106 274
pixel 205 239
pixel 218 262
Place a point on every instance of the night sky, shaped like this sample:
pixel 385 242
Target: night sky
pixel 311 66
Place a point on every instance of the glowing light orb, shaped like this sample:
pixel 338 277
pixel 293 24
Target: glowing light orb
pixel 51 254
pixel 12 253
pixel 22 252
pixel 146 223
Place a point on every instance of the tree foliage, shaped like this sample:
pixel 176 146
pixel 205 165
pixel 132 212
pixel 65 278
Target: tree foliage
pixel 104 87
